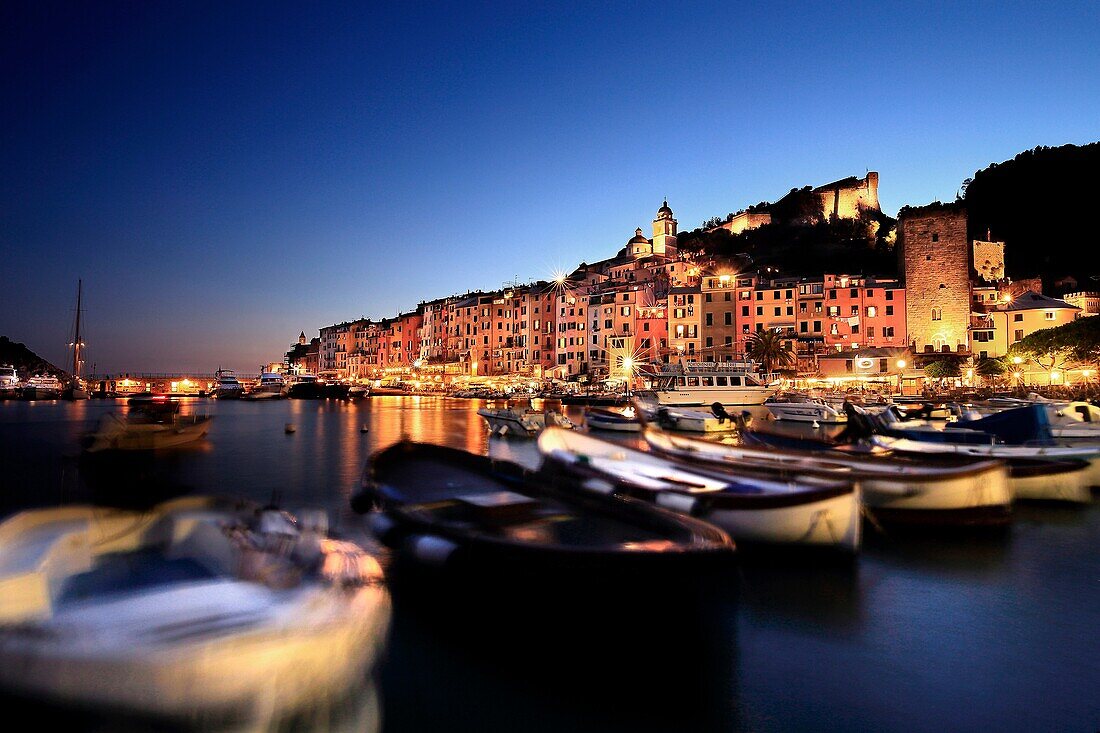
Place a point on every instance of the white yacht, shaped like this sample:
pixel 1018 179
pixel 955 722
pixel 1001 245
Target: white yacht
pixel 271 386
pixel 706 382
pixel 42 387
pixel 229 388
pixel 803 408
pixel 9 382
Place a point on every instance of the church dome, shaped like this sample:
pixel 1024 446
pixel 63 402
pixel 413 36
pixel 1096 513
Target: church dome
pixel 638 238
pixel 664 212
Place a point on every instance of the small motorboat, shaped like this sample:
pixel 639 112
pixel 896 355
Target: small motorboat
pixel 196 607
pixel 803 408
pixel 898 490
pixel 512 421
pixel 150 425
pixel 358 392
pixel 1075 420
pixel 686 419
pixel 807 511
pixel 600 419
pixel 272 386
pixel 443 506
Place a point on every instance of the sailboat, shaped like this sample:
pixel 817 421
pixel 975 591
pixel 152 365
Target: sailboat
pixel 76 389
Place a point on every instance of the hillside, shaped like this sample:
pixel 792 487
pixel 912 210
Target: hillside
pixel 24 360
pixel 1034 203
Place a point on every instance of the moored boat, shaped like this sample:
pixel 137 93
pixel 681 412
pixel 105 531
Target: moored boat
pixel 443 506
pixel 600 419
pixel 692 384
pixel 42 387
pixel 802 408
pixel 358 392
pixel 893 489
pixel 9 382
pixel 228 387
pixel 808 511
pixel 151 424
pixel 686 419
pixel 194 607
pixel 271 386
pixel 514 421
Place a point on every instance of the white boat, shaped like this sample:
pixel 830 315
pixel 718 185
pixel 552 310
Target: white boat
pixel 358 392
pixel 228 386
pixel 693 421
pixel 510 421
pixel 9 382
pixel 704 383
pixel 977 492
pixel 195 607
pixel 600 419
pixel 76 389
pixel 1073 484
pixel 42 387
pixel 271 386
pixel 803 408
pixel 151 424
pixel 809 511
pixel 1075 420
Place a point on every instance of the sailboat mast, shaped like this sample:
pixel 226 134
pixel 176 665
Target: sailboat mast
pixel 77 345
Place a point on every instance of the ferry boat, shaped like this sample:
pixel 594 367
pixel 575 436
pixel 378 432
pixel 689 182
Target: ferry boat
pixel 229 388
pixel 704 383
pixel 42 387
pixel 803 408
pixel 9 382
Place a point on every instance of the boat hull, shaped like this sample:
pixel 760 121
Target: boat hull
pixel 116 434
pixel 41 393
pixel 698 397
pixel 805 412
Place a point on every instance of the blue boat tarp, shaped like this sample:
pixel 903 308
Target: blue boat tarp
pixel 1028 425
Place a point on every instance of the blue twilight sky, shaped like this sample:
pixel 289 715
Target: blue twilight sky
pixel 225 175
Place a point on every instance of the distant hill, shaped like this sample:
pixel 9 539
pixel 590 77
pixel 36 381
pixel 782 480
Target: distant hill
pixel 1038 203
pixel 25 360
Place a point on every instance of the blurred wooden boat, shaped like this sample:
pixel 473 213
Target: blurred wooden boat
pixel 599 419
pixel 197 606
pixel 807 511
pixel 444 506
pixel 893 489
pixel 514 421
pixel 150 425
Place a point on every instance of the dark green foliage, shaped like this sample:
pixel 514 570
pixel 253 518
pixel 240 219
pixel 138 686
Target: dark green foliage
pixel 1034 203
pixel 990 367
pixel 943 369
pixel 1077 341
pixel 769 348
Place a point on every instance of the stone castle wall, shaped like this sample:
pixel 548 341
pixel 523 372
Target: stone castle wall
pixel 746 220
pixel 935 259
pixel 845 202
pixel 989 260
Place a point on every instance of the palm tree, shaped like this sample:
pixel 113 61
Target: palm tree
pixel 768 348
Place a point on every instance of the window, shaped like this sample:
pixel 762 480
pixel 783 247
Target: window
pixel 935 236
pixel 804 326
pixel 872 311
pixel 801 307
pixel 744 328
pixel 729 318
pixel 834 310
pixel 778 311
pixel 721 381
pixel 983 336
pixel 1017 317
pixel 708 297
pixel 759 310
pixel 937 314
pixel 870 332
pixel 679 331
pixel 1018 334
pixel 729 340
pixel 832 295
pixel 1049 315
pixel 775 295
pixel 710 319
pixel 759 294
pixel 710 342
pixel 889 294
pixel 889 310
pixel 833 330
pixel 870 292
pixel 855 293
pixel 817 326
pixel 645 325
pixel 790 310
pixel 855 310
pixel 855 328
pixel 745 311
pixel 727 297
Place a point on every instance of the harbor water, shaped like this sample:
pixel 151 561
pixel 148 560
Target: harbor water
pixel 922 632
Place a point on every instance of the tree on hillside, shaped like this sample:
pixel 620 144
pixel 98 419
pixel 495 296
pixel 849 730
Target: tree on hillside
pixel 768 348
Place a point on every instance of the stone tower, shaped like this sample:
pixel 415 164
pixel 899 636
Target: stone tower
pixel 935 261
pixel 988 258
pixel 664 232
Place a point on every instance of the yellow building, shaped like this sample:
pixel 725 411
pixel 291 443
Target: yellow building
pixel 994 332
pixel 685 315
